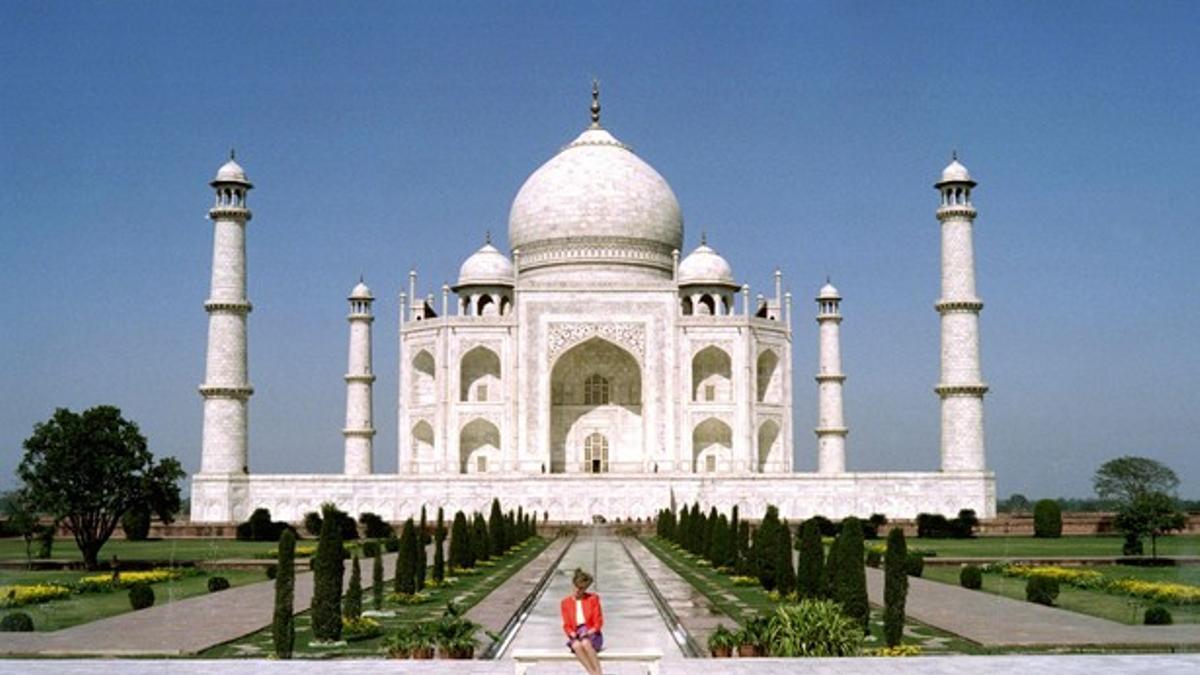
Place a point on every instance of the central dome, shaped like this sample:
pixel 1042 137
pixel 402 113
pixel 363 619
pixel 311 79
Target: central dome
pixel 595 202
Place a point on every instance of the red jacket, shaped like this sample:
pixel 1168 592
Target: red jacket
pixel 593 617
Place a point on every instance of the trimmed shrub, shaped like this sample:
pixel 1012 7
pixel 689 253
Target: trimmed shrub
pixel 352 602
pixel 785 581
pixel 832 564
pixel 964 525
pixel 874 557
pixel 743 565
pixel 273 569
pixel 369 548
pixel 895 586
pixel 914 565
pixel 933 526
pixel 480 543
pixel 460 543
pixel 136 524
pixel 851 581
pixel 374 527
pixel 439 545
pixel 406 562
pixel 16 622
pixel 216 584
pixel 1042 590
pixel 391 544
pixel 312 523
pixel 812 628
pixel 328 568
pixel 496 544
pixel 1155 616
pixel 970 576
pixel 283 628
pixel 141 596
pixel 1047 519
pixel 763 552
pixel 811 561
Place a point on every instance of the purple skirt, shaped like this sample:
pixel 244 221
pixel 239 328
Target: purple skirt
pixel 597 638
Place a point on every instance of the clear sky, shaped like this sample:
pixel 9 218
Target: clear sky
pixel 383 136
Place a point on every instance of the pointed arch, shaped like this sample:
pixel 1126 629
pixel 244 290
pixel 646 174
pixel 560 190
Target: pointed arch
pixel 712 373
pixel 424 378
pixel 768 377
pixel 712 446
pixel 768 445
pixel 596 387
pixel 479 376
pixel 478 447
pixel 422 441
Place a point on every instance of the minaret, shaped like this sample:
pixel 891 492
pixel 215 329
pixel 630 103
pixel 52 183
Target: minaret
pixel 359 429
pixel 961 387
pixel 831 423
pixel 226 389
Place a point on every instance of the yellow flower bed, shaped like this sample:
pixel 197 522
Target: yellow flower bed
pixel 301 552
pixel 1160 591
pixel 104 582
pixel 1066 575
pixel 898 650
pixel 30 594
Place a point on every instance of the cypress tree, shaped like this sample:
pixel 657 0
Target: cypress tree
pixel 496 529
pixel 710 528
pixel 722 543
pixel 439 543
pixel 895 587
pixel 521 536
pixel 763 552
pixel 743 548
pixel 377 580
pixel 283 626
pixel 480 542
pixel 460 542
pixel 851 581
pixel 328 568
pixel 422 559
pixel 832 564
pixel 406 560
pixel 352 603
pixel 694 528
pixel 810 568
pixel 734 552
pixel 785 574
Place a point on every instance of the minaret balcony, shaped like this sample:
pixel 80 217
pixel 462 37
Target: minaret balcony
pixel 947 306
pixel 830 377
pixel 226 391
pixel 229 213
pixel 977 389
pixel 956 211
pixel 359 377
pixel 237 307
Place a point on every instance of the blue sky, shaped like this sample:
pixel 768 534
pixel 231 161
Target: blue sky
pixel 383 136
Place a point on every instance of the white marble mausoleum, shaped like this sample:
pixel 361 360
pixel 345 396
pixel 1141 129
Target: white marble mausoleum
pixel 596 368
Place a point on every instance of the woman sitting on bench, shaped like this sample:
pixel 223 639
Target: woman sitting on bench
pixel 582 621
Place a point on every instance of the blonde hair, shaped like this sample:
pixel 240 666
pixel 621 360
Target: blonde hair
pixel 581 579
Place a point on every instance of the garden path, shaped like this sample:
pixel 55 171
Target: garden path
pixel 995 621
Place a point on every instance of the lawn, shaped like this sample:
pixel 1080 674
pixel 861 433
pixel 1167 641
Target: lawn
pixel 466 592
pixel 1017 547
pixel 85 607
pixel 182 550
pixel 741 602
pixel 1119 608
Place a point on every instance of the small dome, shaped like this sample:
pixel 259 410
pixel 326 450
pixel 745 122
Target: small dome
pixel 828 292
pixel 361 292
pixel 956 173
pixel 231 172
pixel 486 267
pixel 705 266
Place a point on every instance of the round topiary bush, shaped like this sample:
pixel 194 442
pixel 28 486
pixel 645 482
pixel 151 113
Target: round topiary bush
pixel 1041 590
pixel 217 584
pixel 971 577
pixel 1155 616
pixel 914 565
pixel 1047 519
pixel 141 596
pixel 20 622
pixel 272 570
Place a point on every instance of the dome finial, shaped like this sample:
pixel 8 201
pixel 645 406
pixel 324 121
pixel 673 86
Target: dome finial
pixel 487 236
pixel 703 238
pixel 232 154
pixel 954 155
pixel 595 103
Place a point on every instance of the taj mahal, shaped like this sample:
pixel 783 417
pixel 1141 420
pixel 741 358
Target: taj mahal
pixel 595 369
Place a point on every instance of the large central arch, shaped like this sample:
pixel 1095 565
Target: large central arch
pixel 596 388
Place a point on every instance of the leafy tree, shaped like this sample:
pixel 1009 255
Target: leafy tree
pixel 1127 478
pixel 312 523
pixel 439 544
pixel 1047 519
pixel 377 580
pixel 1016 503
pixel 374 526
pixel 328 568
pixel 136 523
pixel 406 560
pixel 23 520
pixel 422 540
pixel 352 603
pixel 1151 514
pixel 811 563
pixel 283 627
pixel 895 587
pixel 88 469
pixel 850 579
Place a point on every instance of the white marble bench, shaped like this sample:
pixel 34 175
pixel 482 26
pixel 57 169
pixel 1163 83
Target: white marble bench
pixel 524 658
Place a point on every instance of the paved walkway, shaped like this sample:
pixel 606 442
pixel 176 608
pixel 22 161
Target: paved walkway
pixel 631 621
pixel 1073 664
pixel 994 620
pixel 175 628
pixel 495 610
